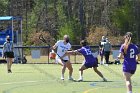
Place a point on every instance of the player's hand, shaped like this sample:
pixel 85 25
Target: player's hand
pixel 3 57
pixel 61 58
pixel 118 57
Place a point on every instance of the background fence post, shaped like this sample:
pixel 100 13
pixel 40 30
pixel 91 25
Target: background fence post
pixel 75 58
pixel 48 53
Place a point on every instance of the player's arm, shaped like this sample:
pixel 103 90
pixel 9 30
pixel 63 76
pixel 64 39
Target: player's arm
pixel 12 46
pixel 68 53
pixel 3 55
pixel 120 56
pixel 56 45
pixel 138 57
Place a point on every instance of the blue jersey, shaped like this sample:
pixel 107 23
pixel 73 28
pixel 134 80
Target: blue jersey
pixel 87 53
pixel 130 56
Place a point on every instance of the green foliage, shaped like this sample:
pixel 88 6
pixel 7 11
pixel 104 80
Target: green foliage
pixel 61 14
pixel 58 17
pixel 3 7
pixel 72 29
pixel 123 17
pixel 66 29
pixel 69 26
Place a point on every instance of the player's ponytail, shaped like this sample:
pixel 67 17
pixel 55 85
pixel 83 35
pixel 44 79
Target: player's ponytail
pixel 127 37
pixel 83 43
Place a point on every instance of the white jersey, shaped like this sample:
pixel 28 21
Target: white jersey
pixel 62 48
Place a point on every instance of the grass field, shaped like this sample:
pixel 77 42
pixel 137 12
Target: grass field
pixel 45 78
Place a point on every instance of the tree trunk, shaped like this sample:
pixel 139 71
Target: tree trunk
pixel 81 18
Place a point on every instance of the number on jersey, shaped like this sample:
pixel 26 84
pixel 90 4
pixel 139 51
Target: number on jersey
pixel 132 52
pixel 88 52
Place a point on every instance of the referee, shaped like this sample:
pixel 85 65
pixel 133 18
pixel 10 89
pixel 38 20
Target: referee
pixel 107 49
pixel 8 53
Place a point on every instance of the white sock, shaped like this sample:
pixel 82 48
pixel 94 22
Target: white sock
pixel 130 92
pixel 62 75
pixel 81 77
pixel 103 61
pixel 70 76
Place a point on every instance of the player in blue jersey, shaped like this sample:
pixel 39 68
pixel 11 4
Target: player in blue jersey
pixel 89 62
pixel 129 52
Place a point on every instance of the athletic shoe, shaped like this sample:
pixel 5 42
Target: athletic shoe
pixel 62 78
pixel 106 64
pixel 80 80
pixel 104 79
pixel 9 71
pixel 70 78
pixel 101 63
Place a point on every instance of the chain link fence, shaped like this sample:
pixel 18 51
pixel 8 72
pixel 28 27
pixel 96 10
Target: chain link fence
pixel 40 54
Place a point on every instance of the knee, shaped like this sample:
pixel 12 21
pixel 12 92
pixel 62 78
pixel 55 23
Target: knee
pixel 71 69
pixel 128 83
pixel 80 69
pixel 64 67
pixel 96 70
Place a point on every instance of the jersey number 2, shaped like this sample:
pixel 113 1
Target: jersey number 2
pixel 132 52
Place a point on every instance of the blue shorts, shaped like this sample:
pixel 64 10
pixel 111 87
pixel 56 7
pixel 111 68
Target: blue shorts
pixel 90 65
pixel 129 71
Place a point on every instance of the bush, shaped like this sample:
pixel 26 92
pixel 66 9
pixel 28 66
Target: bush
pixel 34 38
pixel 95 34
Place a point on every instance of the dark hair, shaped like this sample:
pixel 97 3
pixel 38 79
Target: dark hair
pixel 8 38
pixel 127 35
pixel 83 43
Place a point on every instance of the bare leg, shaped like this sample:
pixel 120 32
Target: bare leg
pixel 63 68
pixel 60 63
pixel 69 66
pixel 99 73
pixel 10 62
pixel 63 71
pixel 82 68
pixel 127 77
pixel 102 60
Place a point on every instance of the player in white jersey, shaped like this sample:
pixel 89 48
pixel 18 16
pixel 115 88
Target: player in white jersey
pixel 62 47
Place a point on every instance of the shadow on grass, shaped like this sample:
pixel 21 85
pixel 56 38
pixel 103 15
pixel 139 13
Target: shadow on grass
pixel 23 72
pixel 95 81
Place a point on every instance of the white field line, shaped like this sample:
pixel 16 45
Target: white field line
pixel 23 82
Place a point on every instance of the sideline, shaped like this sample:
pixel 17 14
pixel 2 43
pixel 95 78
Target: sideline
pixel 23 82
pixel 93 90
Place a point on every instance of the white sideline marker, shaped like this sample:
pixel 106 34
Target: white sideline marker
pixel 10 83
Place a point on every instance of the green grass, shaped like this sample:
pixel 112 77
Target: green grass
pixel 44 78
